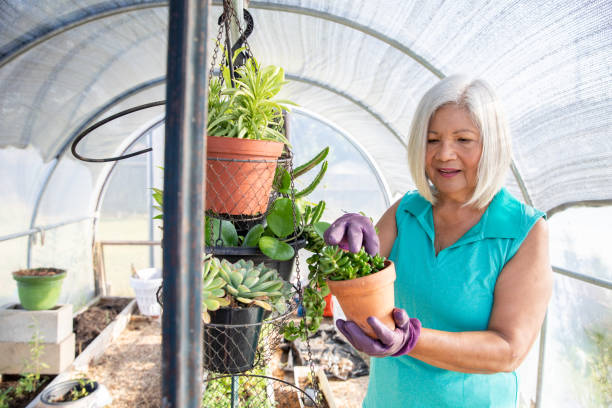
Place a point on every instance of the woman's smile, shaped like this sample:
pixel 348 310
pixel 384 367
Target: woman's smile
pixel 446 172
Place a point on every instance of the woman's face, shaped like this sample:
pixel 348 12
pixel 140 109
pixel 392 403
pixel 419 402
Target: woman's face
pixel 453 150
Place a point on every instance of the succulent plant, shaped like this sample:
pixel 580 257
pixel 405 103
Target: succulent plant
pixel 213 294
pixel 337 264
pixel 246 284
pixel 327 263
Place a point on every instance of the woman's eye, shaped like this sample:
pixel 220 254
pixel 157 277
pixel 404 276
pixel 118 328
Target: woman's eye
pixel 432 140
pixel 463 140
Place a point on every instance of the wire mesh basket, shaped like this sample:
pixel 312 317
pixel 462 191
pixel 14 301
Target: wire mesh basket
pixel 241 190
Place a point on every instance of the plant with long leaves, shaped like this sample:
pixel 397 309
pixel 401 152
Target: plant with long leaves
pixel 245 106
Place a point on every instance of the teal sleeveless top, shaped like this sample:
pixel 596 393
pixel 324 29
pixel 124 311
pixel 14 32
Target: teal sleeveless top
pixel 452 292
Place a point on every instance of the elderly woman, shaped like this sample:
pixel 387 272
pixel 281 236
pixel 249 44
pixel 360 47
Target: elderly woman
pixel 472 262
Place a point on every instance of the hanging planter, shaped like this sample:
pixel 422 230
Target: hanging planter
pixel 39 288
pixel 231 338
pixel 235 298
pixel 239 174
pixel 246 134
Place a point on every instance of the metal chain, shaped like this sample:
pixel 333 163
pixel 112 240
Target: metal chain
pixel 299 284
pixel 214 56
pixel 240 31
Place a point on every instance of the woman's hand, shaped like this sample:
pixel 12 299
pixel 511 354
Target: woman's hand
pixel 352 231
pixel 390 343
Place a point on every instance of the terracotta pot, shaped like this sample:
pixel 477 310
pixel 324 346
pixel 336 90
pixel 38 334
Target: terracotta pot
pixel 238 187
pixel 371 295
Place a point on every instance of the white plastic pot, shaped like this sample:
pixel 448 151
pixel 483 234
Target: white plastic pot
pixel 97 398
pixel 146 291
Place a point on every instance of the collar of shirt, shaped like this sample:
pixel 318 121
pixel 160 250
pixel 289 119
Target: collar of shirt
pixel 498 221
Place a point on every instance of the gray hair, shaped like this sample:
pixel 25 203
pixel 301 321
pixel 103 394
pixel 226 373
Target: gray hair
pixel 479 98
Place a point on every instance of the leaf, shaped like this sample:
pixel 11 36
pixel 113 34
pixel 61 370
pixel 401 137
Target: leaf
pixel 280 219
pixel 282 180
pixel 275 249
pixel 314 183
pixel 299 170
pixel 236 278
pixel 262 304
pixel 229 236
pixel 320 227
pixel 212 304
pixel 252 237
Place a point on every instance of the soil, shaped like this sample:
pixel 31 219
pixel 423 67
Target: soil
pixel 90 323
pixel 39 272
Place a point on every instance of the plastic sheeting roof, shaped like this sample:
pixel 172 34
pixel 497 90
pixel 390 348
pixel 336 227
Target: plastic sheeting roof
pixel 362 65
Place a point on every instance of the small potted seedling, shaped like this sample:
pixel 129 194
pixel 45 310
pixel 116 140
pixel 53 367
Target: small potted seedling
pixel 236 297
pixel 363 285
pixel 76 393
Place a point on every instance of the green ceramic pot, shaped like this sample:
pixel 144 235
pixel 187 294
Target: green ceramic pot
pixel 39 292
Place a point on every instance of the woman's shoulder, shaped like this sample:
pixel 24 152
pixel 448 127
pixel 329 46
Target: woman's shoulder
pixel 508 214
pixel 414 203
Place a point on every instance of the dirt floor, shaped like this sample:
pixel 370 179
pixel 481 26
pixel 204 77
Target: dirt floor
pixel 130 369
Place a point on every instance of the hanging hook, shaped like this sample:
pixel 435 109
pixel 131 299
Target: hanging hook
pixel 41 232
pixel 243 56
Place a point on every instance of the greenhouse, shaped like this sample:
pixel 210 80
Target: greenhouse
pixel 149 261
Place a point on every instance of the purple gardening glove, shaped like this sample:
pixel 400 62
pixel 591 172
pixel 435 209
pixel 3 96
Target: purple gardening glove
pixel 390 343
pixel 352 231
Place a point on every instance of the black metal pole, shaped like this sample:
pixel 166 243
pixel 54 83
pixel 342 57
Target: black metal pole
pixel 186 91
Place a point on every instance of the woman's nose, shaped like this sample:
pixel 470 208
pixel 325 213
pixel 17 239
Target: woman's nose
pixel 446 152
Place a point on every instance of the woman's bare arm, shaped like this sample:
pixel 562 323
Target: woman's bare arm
pixel 522 292
pixel 387 229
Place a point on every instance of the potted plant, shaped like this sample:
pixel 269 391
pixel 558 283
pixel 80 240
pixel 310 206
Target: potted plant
pixel 39 288
pixel 76 393
pixel 244 138
pixel 363 285
pixel 235 297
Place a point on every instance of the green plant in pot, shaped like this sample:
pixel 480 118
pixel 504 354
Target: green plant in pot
pixel 245 123
pixel 39 288
pixel 232 334
pixel 362 283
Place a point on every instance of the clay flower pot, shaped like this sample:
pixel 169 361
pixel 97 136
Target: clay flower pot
pixel 240 187
pixel 371 295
